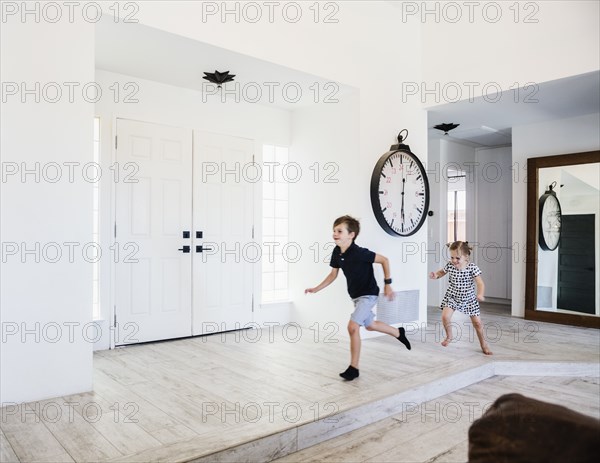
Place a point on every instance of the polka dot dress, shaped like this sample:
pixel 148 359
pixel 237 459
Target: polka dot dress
pixel 461 295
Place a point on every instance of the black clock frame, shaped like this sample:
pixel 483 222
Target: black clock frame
pixel 375 178
pixel 542 201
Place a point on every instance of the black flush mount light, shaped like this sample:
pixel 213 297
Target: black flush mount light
pixel 445 127
pixel 218 78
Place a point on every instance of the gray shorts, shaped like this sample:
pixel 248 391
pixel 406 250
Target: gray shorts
pixel 363 313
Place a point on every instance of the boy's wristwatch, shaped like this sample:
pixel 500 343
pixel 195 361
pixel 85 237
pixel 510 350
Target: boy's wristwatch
pixel 388 281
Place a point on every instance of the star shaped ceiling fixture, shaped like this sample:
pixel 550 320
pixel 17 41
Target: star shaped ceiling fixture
pixel 218 78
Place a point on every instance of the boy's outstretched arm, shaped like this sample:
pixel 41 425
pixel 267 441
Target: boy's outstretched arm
pixel 326 282
pixel 385 263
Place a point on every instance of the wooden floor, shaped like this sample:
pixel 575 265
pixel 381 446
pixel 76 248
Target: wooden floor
pixel 436 431
pixel 181 400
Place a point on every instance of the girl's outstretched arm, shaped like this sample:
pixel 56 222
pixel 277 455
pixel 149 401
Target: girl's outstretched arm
pixel 480 288
pixel 439 274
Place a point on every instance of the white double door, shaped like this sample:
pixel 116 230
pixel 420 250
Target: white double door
pixel 183 217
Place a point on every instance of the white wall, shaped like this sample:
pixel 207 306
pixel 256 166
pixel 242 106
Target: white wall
pixel 46 348
pixel 166 104
pixel 574 135
pixel 325 135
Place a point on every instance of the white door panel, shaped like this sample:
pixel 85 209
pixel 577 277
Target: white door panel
pixel 223 213
pixel 153 208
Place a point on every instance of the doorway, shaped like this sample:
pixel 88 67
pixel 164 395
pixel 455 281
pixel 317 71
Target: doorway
pixel 576 264
pixel 184 218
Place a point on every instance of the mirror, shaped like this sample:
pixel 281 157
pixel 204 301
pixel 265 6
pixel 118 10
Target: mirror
pixel 563 279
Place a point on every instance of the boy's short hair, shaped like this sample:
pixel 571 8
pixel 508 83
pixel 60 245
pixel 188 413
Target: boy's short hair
pixel 352 224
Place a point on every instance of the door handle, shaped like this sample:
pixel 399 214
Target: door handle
pixel 201 248
pixel 185 249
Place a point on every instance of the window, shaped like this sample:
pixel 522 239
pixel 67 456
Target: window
pixel 96 224
pixel 457 205
pixel 274 226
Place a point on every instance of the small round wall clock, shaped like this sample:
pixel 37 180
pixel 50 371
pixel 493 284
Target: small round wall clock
pixel 549 220
pixel 400 190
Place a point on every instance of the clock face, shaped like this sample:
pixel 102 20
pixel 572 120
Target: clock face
pixel 550 220
pixel 400 193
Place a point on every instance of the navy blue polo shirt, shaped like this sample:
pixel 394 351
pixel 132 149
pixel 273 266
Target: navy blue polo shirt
pixel 357 265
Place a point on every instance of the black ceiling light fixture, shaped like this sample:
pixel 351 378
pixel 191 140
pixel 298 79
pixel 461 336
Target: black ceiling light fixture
pixel 218 78
pixel 446 127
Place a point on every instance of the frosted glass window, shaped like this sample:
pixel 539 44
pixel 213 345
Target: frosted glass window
pixel 275 265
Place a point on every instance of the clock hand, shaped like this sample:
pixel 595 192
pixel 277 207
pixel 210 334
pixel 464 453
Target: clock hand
pixel 402 203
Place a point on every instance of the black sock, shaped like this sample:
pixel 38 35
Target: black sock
pixel 350 373
pixel 403 339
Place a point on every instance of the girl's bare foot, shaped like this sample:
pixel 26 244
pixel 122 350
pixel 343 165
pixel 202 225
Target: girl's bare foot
pixel 486 350
pixel 447 341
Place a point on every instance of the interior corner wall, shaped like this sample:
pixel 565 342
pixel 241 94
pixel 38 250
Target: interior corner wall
pixel 46 208
pixel 559 136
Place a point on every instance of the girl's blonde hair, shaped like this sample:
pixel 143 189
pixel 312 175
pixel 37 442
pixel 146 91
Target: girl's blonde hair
pixel 461 246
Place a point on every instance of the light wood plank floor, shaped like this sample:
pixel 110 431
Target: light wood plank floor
pixel 437 430
pixel 172 401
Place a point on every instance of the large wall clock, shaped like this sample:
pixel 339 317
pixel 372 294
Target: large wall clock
pixel 400 190
pixel 549 220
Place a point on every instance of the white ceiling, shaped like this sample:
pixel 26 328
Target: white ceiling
pixel 483 123
pixel 148 53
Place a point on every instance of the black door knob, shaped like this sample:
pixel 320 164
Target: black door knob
pixel 185 249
